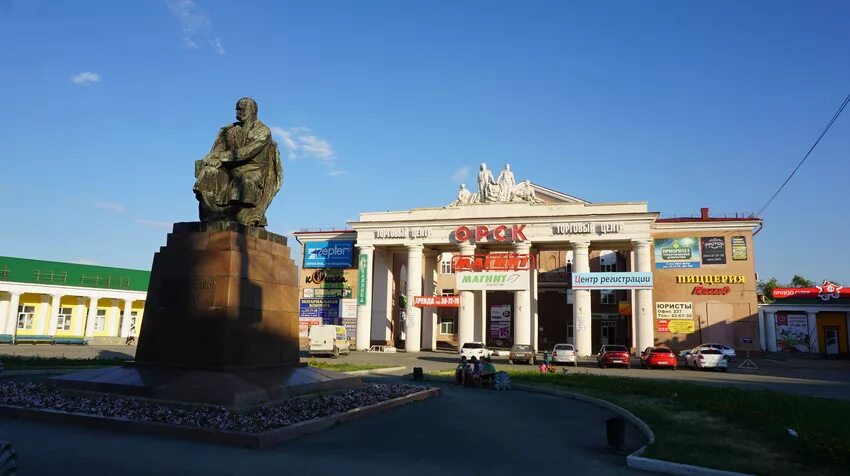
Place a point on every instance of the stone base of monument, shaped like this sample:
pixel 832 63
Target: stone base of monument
pixel 220 323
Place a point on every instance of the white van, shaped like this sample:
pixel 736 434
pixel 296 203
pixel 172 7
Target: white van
pixel 329 340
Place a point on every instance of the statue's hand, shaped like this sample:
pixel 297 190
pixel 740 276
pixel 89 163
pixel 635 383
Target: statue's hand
pixel 212 160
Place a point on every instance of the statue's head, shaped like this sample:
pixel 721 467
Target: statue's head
pixel 462 186
pixel 507 166
pixel 246 110
pixel 483 166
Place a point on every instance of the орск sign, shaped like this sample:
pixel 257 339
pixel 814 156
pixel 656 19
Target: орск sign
pixel 480 233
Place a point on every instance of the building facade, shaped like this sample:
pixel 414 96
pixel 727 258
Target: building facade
pixel 48 301
pixel 401 255
pixel 807 320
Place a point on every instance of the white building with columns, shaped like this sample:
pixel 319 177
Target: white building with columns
pixel 55 302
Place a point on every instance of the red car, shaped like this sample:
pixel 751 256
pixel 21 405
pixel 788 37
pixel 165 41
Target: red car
pixel 659 357
pixel 613 355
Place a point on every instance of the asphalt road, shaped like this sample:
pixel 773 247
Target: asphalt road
pixel 463 431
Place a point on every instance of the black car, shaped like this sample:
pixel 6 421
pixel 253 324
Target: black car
pixel 522 353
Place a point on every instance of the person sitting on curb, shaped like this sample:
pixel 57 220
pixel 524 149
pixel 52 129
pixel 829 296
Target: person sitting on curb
pixel 489 368
pixel 473 371
pixel 460 371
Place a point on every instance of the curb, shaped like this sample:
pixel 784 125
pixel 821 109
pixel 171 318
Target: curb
pixel 380 371
pixel 260 440
pixel 634 460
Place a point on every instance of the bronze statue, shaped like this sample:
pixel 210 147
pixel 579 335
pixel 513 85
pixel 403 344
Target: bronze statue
pixel 237 180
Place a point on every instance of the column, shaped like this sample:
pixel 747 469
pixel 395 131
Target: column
pixel 429 314
pixel 55 301
pixel 814 344
pixel 4 312
pixel 762 331
pixel 466 313
pixel 581 301
pixel 770 331
pixel 522 305
pixel 12 315
pixel 632 303
pixel 125 323
pixel 642 307
pixel 42 315
pixel 364 297
pixel 413 326
pixel 114 314
pixel 91 316
pixel 79 320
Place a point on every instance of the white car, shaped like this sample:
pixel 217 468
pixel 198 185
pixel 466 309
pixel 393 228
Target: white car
pixel 474 349
pixel 707 359
pixel 728 351
pixel 564 354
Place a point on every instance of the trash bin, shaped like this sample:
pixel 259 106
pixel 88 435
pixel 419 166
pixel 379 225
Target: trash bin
pixel 417 373
pixel 616 432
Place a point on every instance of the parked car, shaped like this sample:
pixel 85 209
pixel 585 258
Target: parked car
pixel 564 354
pixel 728 351
pixel 521 353
pixel 328 339
pixel 613 355
pixel 474 349
pixel 707 359
pixel 661 357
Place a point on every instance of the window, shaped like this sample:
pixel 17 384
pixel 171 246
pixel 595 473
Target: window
pixel 607 296
pixel 446 266
pixel 63 322
pixel 25 316
pixel 569 266
pixel 100 320
pixel 447 327
pixel 608 268
pixel 134 315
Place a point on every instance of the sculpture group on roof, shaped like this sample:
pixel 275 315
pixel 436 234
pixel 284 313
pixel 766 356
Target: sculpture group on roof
pixel 504 189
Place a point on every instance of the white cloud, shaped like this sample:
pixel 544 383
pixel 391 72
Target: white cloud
pixel 86 77
pixel 337 173
pixel 460 174
pixel 108 206
pixel 196 25
pixel 154 224
pixel 300 143
pixel 86 261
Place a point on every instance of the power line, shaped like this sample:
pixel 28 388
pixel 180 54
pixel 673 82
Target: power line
pixel 834 117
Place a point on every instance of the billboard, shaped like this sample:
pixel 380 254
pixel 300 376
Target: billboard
pixel 713 249
pixel 625 280
pixel 328 254
pixel 500 321
pixel 739 248
pixel 677 253
pixel 674 310
pixel 792 332
pixel 326 309
pixel 493 280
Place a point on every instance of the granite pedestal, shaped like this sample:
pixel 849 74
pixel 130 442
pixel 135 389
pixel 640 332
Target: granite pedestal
pixel 220 323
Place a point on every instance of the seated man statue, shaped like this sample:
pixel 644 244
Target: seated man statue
pixel 237 180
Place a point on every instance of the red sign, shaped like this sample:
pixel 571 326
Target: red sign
pixel 706 291
pixel 663 326
pixel 825 292
pixel 481 232
pixel 436 301
pixel 493 262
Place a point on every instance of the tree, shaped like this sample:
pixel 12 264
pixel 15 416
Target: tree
pixel 765 289
pixel 800 282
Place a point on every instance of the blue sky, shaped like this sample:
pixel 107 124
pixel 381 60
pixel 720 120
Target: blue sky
pixel 389 105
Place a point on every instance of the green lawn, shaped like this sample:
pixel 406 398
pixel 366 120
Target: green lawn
pixel 722 427
pixel 343 367
pixel 16 362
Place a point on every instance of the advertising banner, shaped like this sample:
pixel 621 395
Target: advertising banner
pixel 324 308
pixel 327 292
pixel 304 324
pixel 674 310
pixel 824 292
pixel 663 325
pixel 681 326
pixel 500 321
pixel 677 253
pixel 739 248
pixel 350 326
pixel 493 280
pixel 713 249
pixel 612 280
pixel 348 309
pixel 792 332
pixel 328 254
pixel 436 301
pixel 362 278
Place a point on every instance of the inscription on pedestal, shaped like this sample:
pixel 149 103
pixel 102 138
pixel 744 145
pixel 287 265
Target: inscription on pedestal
pixel 194 293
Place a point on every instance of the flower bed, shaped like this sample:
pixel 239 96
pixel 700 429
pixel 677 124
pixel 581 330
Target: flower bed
pixel 269 417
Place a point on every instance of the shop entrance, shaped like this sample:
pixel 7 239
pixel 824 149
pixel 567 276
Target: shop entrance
pixel 831 340
pixel 554 316
pixel 609 332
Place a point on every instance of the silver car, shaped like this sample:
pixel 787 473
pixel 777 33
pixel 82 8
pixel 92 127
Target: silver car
pixel 564 354
pixel 707 359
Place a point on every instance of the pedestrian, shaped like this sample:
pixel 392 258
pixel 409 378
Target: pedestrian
pixel 460 371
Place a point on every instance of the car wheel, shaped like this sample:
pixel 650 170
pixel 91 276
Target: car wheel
pixel 336 353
